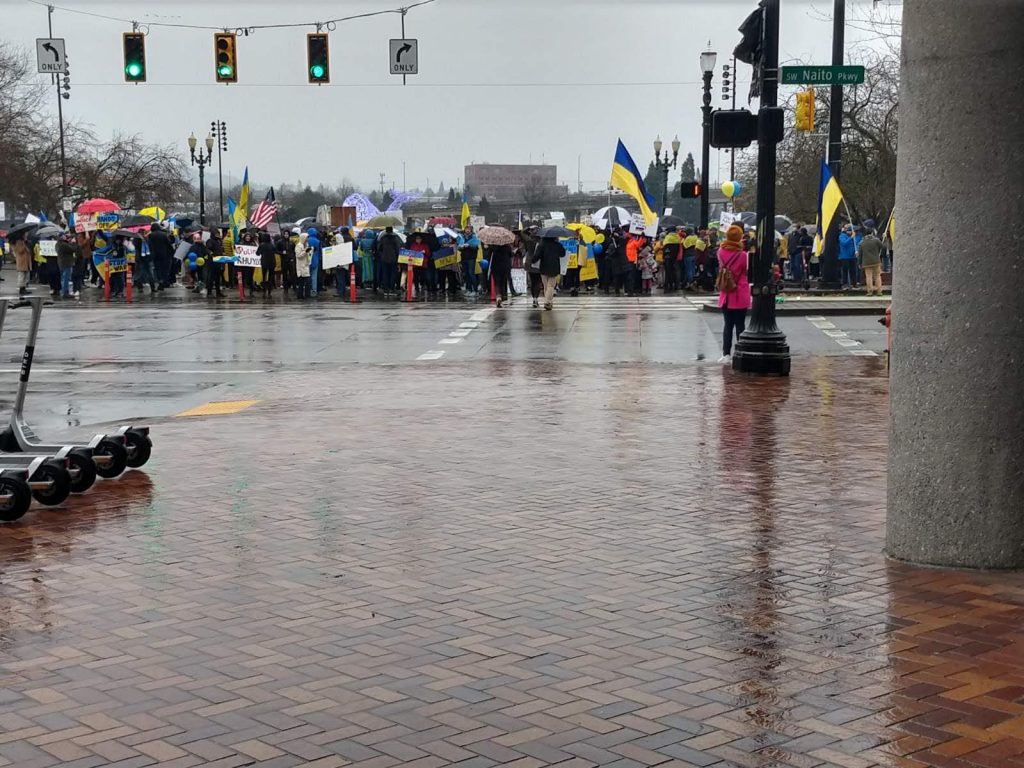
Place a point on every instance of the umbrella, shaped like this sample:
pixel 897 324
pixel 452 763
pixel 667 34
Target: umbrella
pixel 381 222
pixel 494 235
pixel 19 229
pixel 611 216
pixel 138 220
pixel 782 223
pixel 670 222
pixel 48 230
pixel 556 232
pixel 154 212
pixel 98 205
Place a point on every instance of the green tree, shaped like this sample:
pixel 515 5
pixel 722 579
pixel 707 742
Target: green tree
pixel 484 206
pixel 655 183
pixel 451 194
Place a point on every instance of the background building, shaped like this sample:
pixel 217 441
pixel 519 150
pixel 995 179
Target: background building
pixel 513 182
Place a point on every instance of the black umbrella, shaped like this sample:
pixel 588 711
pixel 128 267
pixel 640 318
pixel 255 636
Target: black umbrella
pixel 138 220
pixel 670 222
pixel 24 228
pixel 556 232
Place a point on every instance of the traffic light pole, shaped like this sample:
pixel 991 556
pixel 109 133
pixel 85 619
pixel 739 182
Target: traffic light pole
pixel 762 348
pixel 705 193
pixel 830 252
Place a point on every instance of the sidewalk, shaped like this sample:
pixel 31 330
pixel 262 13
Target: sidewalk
pixel 817 304
pixel 516 564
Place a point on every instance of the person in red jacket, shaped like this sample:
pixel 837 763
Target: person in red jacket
pixel 417 243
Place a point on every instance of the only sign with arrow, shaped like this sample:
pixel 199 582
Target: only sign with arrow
pixel 50 58
pixel 404 57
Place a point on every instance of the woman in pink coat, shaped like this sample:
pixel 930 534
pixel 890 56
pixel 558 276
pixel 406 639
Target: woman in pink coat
pixel 736 302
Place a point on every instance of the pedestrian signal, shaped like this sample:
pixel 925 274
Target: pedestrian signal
pixel 318 58
pixel 805 110
pixel 689 190
pixel 224 57
pixel 134 57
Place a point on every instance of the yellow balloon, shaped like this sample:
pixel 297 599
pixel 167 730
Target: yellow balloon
pixel 200 261
pixel 728 189
pixel 600 238
pixel 588 234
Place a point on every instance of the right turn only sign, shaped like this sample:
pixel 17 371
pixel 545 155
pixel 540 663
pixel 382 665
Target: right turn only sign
pixel 404 57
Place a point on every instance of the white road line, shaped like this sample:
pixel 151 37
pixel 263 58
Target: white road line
pixel 864 352
pixel 450 341
pixel 461 333
pixel 848 342
pixel 434 354
pixel 835 334
pixel 469 325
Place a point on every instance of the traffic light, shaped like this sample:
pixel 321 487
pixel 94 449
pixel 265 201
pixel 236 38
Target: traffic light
pixel 134 57
pixel 318 58
pixel 805 110
pixel 224 57
pixel 689 190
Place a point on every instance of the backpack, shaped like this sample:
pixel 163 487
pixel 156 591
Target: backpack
pixel 726 280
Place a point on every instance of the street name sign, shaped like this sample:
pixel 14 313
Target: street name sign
pixel 404 57
pixel 50 56
pixel 822 75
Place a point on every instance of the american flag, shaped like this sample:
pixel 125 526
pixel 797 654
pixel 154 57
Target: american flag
pixel 265 211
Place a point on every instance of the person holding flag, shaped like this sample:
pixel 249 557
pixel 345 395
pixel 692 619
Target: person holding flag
pixel 626 176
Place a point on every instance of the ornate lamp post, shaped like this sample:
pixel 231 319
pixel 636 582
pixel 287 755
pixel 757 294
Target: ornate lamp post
pixel 662 163
pixel 707 65
pixel 202 161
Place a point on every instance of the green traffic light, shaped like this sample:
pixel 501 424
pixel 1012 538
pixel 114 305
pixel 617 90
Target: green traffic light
pixel 318 71
pixel 225 70
pixel 134 69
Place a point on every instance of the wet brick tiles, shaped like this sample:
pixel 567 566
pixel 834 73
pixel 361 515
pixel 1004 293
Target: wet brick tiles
pixel 518 564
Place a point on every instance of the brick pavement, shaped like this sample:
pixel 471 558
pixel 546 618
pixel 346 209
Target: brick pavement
pixel 506 563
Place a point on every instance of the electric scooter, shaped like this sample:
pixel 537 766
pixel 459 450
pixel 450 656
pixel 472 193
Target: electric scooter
pixel 130 446
pixel 70 466
pixel 15 493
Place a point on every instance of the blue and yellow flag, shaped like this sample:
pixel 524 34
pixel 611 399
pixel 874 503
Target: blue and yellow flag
pixel 465 209
pixel 830 197
pixel 241 212
pixel 626 177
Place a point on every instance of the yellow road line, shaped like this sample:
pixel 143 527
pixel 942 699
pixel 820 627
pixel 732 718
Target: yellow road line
pixel 219 408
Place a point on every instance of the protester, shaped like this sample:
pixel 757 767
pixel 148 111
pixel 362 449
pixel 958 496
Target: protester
pixel 870 260
pixel 672 247
pixel 849 269
pixel 419 244
pixel 316 256
pixel 499 263
pixel 529 245
pixel 144 271
pixel 468 245
pixel 268 258
pixel 648 266
pixel 734 288
pixel 214 268
pixel 163 255
pixel 303 266
pixel 386 250
pixel 67 253
pixel 22 263
pixel 549 256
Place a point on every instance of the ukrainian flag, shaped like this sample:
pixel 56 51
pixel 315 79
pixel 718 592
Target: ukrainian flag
pixel 465 209
pixel 626 177
pixel 241 213
pixel 830 197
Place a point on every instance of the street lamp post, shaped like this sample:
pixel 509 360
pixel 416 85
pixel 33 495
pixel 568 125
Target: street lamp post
pixel 707 65
pixel 219 129
pixel 662 163
pixel 201 161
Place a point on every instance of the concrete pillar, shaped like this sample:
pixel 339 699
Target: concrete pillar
pixel 956 471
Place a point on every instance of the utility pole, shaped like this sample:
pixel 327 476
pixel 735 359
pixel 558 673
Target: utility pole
pixel 830 252
pixel 382 183
pixel 762 348
pixel 60 118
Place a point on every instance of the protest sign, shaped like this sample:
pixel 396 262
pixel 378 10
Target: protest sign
pixel 117 265
pixel 725 220
pixel 407 256
pixel 245 256
pixel 589 271
pixel 446 257
pixel 476 222
pixel 337 255
pixel 637 224
pixel 48 248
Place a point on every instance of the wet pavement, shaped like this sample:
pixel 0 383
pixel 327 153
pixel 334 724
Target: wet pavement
pixel 565 541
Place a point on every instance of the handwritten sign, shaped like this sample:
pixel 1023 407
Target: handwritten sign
pixel 337 255
pixel 245 256
pixel 446 258
pixel 47 247
pixel 407 256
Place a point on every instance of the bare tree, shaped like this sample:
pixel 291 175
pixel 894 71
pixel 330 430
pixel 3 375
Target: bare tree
pixel 536 194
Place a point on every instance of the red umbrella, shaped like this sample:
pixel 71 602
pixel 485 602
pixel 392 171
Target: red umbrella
pixel 98 205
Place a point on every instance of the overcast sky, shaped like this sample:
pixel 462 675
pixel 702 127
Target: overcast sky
pixel 501 81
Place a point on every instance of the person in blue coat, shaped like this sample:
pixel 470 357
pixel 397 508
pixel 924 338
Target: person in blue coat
pixel 849 268
pixel 316 254
pixel 468 246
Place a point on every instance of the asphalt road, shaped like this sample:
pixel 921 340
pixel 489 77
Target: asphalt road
pixel 100 364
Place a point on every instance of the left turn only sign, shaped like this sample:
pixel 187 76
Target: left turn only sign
pixel 405 59
pixel 50 56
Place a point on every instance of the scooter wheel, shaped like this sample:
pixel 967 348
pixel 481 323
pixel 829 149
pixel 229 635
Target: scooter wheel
pixel 118 455
pixel 60 480
pixel 19 498
pixel 139 447
pixel 82 461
